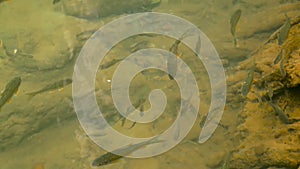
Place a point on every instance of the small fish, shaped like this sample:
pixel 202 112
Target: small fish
pixel 137 46
pixel 282 116
pixel 139 102
pixel 235 2
pixel 174 47
pixel 85 35
pixel 278 58
pixel 172 61
pixel 259 98
pixel 203 120
pixel 55 2
pixel 4 1
pixel 198 45
pixel 55 86
pixel 284 31
pixel 282 70
pixel 177 132
pixel 248 82
pixel 233 23
pixel 111 157
pixel 109 64
pixel 172 67
pixel 11 88
pixel 270 93
pixel 133 124
pixel 123 121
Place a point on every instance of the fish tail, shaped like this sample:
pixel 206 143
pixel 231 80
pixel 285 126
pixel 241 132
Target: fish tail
pixel 155 141
pixel 235 41
pixel 170 77
pixel 31 95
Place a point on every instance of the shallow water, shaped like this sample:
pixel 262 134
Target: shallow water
pixel 44 132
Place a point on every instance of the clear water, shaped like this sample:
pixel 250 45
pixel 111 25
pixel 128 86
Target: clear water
pixel 44 132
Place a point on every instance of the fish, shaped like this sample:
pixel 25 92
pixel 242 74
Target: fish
pixel 4 1
pixel 55 2
pixel 270 93
pixel 133 124
pixel 111 157
pixel 54 86
pixel 198 45
pixel 233 23
pixel 282 116
pixel 109 64
pixel 172 67
pixel 284 31
pixel 6 52
pixel 278 58
pixel 259 98
pixel 172 61
pixel 11 88
pixel 137 46
pixel 85 35
pixel 248 82
pixel 123 121
pixel 282 70
pixel 203 120
pixel 235 2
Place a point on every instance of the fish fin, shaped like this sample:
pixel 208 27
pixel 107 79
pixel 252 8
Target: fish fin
pixel 170 77
pixel 115 161
pixel 235 42
pixel 133 124
pixel 31 95
pixel 180 55
pixel 16 93
pixel 123 121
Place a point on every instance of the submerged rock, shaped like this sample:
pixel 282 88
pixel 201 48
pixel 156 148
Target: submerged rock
pixel 263 139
